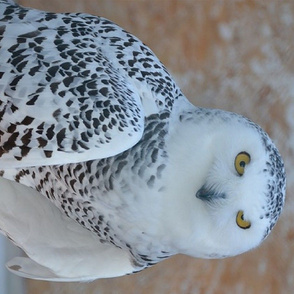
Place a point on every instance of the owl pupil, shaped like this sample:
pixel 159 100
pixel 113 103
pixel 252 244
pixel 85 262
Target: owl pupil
pixel 242 163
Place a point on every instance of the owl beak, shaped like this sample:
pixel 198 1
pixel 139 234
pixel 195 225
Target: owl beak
pixel 208 194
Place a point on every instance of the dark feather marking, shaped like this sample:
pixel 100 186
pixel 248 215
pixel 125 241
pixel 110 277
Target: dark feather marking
pixel 26 138
pixel 48 154
pixel 24 151
pixel 60 136
pixel 27 120
pixel 9 144
pixel 42 142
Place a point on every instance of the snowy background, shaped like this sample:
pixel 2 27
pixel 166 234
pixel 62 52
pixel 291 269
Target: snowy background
pixel 235 55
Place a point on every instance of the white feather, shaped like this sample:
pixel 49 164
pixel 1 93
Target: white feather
pixel 69 251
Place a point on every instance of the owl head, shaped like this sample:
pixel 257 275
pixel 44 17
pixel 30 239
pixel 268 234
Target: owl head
pixel 238 183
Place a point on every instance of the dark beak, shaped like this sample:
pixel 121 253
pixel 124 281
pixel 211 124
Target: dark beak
pixel 208 194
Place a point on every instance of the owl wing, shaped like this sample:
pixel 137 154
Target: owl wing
pixel 73 87
pixel 63 96
pixel 70 252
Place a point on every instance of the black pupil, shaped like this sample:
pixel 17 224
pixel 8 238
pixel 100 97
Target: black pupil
pixel 242 163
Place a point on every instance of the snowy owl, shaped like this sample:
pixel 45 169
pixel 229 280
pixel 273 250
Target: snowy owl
pixel 106 168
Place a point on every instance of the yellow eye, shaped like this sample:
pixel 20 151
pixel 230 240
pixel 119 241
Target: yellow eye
pixel 243 224
pixel 241 160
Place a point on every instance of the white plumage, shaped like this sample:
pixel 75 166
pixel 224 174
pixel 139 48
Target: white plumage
pixel 132 173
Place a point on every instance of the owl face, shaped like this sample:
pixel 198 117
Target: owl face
pixel 243 192
pixel 239 185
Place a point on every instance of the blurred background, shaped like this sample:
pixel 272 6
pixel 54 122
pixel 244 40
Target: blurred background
pixel 234 55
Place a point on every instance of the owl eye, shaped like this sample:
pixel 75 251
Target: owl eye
pixel 243 224
pixel 241 160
